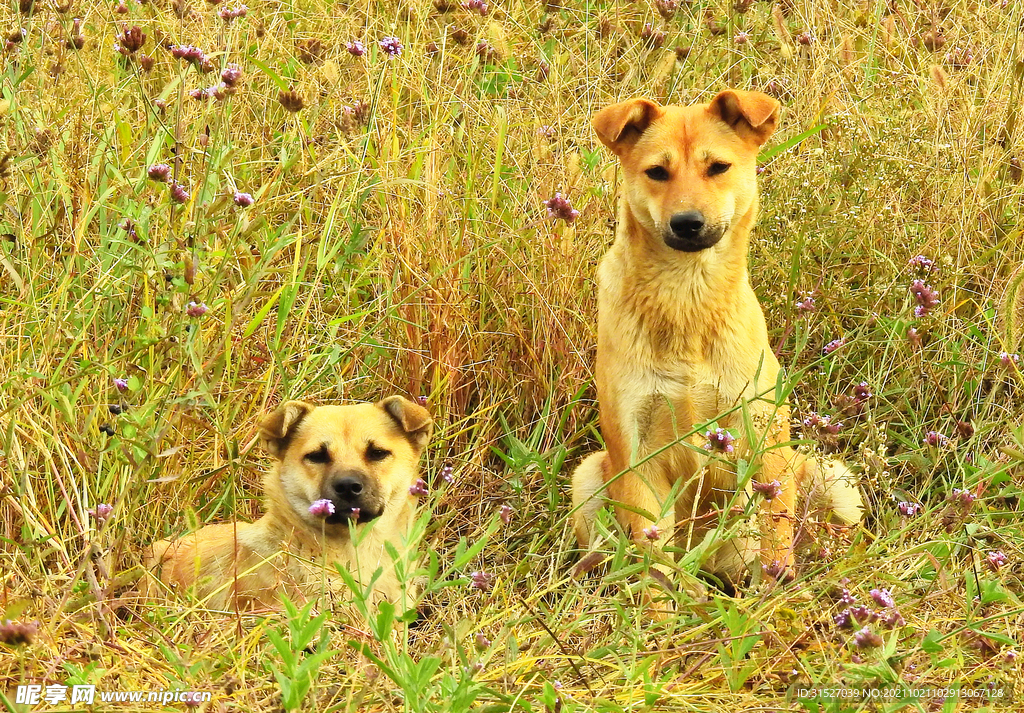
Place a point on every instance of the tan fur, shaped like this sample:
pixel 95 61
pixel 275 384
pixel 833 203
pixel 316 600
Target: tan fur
pixel 682 339
pixel 248 564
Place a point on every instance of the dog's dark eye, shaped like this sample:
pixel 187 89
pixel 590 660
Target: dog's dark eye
pixel 657 173
pixel 319 456
pixel 718 167
pixel 373 453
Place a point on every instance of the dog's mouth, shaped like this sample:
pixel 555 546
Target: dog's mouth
pixel 344 515
pixel 688 242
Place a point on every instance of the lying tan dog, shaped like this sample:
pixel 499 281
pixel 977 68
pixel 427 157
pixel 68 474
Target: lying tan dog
pixel 362 459
pixel 682 340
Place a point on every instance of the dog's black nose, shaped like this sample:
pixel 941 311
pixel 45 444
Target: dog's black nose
pixel 688 224
pixel 348 487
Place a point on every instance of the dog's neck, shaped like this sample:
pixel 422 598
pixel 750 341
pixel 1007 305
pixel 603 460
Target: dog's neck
pixel 674 293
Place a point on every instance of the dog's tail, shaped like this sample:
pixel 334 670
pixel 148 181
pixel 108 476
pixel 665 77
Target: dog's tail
pixel 831 488
pixel 587 496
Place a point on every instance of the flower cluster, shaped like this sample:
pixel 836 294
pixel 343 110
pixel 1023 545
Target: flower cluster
pixel 909 509
pixel 481 580
pixel 926 297
pixel 13 633
pixel 833 345
pixel 130 40
pixel 196 309
pixel 355 48
pixel 888 616
pixel 995 560
pixel 770 491
pixel 652 533
pixel 193 55
pixel 719 441
pixel 228 14
pixel 559 208
pixel 806 303
pixel 448 474
pixel 391 46
pixel 243 200
pixel 1008 359
pixel 962 497
pixel 101 512
pixel 935 439
pixel 159 172
pixel 476 6
pixel 419 488
pixel 920 265
pixel 322 508
pixel 821 425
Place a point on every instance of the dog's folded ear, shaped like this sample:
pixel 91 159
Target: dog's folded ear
pixel 751 114
pixel 411 417
pixel 620 125
pixel 277 429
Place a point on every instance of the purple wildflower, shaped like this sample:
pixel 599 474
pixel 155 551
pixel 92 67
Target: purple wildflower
pixel 921 265
pixel 741 37
pixel 189 53
pixel 865 638
pixel 891 618
pixel 101 512
pixel 770 491
pixel 995 560
pixel 863 614
pixel 243 200
pixel 926 297
pixel 847 598
pixel 200 93
pixel 962 497
pixel 196 309
pixel 321 508
pixel 719 441
pixel 805 38
pixel 559 208
pixel 506 512
pixel 775 570
pixel 227 14
pixel 231 75
pixel 862 391
pixel 833 345
pixel 391 46
pixel 160 172
pixel 882 597
pixel 421 400
pixel 914 337
pixel 1008 359
pixel 908 509
pixel 121 384
pixel 843 620
pixel 822 425
pixel 482 642
pixel 355 48
pixel 806 303
pixel 178 193
pixel 935 439
pixel 419 488
pixel 481 580
pixel 14 633
pixel 448 474
pixel 476 6
pixel 652 533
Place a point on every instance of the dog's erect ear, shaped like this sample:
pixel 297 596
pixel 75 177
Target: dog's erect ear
pixel 752 115
pixel 277 429
pixel 413 419
pixel 620 125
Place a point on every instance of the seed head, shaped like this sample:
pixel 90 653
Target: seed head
pixel 652 36
pixel 667 8
pixel 741 37
pixel 228 14
pixel 131 39
pixel 914 338
pixel 291 100
pixel 178 193
pixel 321 508
pixel 805 38
pixel 231 75
pixel 16 634
pixel 478 6
pixel 159 172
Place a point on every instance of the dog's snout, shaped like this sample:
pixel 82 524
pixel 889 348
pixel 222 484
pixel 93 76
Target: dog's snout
pixel 687 224
pixel 348 487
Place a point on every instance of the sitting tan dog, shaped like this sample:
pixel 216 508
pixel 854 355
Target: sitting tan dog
pixel 338 469
pixel 682 341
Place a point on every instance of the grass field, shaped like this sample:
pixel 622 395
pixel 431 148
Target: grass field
pixel 397 241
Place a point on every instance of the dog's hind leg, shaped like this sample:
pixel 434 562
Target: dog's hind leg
pixel 832 488
pixel 588 495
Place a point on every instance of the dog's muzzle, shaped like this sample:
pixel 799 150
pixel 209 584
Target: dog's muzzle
pixel 689 232
pixel 354 497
